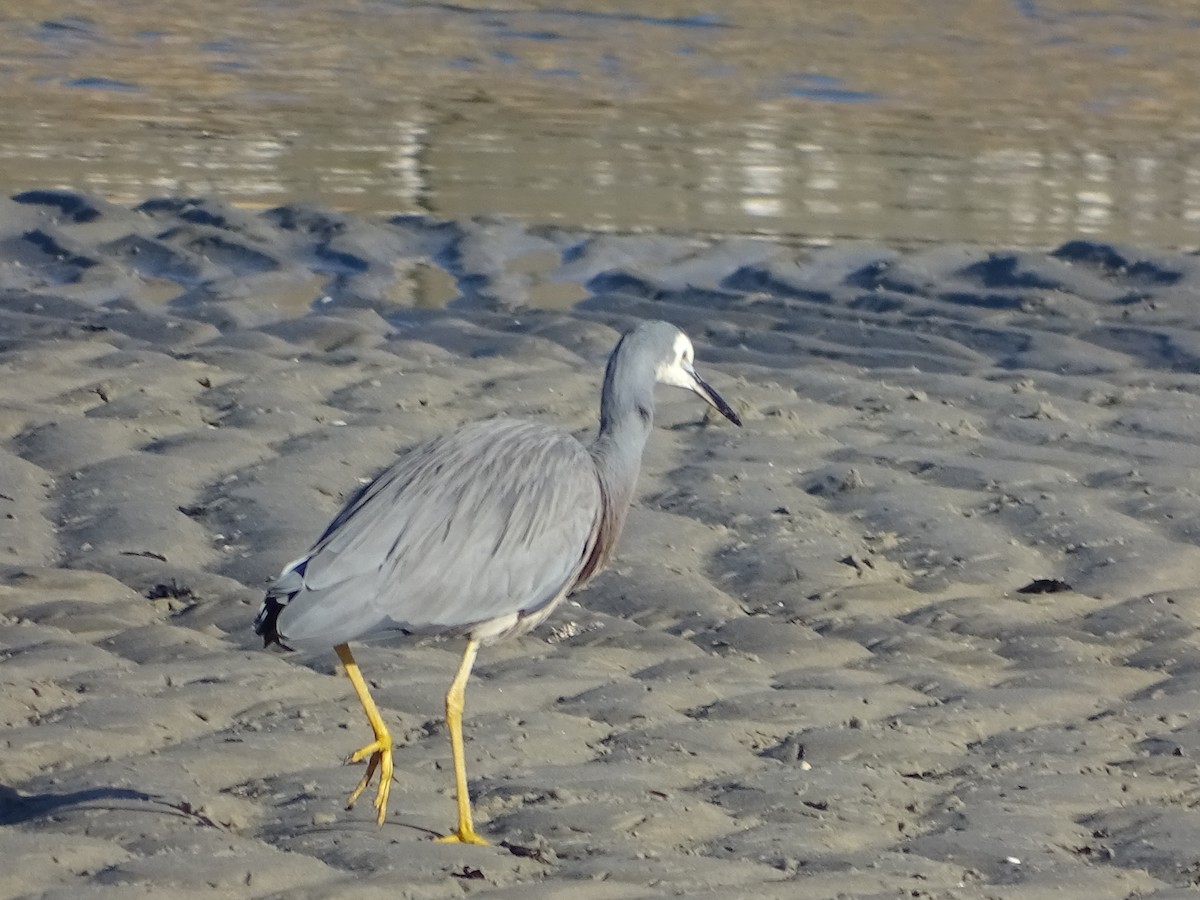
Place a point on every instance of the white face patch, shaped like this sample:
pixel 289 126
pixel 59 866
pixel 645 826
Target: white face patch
pixel 677 371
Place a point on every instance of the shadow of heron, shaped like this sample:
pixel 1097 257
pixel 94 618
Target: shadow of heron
pixel 17 808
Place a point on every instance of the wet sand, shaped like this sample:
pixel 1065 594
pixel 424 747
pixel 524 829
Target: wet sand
pixel 811 670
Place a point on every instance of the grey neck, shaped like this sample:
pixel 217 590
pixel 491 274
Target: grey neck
pixel 626 417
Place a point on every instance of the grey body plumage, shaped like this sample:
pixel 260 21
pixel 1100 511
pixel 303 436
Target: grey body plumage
pixel 452 539
pixel 481 532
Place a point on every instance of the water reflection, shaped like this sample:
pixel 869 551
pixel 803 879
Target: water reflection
pixel 599 119
pixel 776 173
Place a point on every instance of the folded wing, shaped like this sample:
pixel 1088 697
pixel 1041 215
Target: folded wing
pixel 492 521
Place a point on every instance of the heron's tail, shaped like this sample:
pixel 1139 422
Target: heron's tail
pixel 289 583
pixel 266 623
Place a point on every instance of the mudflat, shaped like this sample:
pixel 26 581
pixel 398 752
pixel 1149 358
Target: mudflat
pixel 926 626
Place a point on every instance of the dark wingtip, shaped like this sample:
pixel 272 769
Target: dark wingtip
pixel 266 623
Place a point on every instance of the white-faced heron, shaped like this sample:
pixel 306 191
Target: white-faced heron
pixel 480 533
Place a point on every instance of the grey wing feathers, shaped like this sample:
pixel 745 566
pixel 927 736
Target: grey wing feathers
pixel 493 520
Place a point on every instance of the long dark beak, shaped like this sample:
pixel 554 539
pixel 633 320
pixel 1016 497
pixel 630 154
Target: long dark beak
pixel 715 400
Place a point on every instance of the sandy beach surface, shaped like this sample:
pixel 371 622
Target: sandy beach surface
pixel 812 670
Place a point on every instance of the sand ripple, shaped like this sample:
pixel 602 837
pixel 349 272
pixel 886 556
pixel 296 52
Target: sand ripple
pixel 810 669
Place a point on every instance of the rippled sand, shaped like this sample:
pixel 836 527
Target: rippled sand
pixel 811 670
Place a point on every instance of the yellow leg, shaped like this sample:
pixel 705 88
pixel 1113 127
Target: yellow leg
pixel 378 751
pixel 465 833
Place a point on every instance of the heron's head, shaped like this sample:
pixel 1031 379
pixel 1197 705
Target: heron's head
pixel 675 367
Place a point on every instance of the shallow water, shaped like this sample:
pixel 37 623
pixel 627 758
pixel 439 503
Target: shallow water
pixel 1022 123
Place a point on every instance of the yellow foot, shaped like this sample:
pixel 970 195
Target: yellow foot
pixel 462 836
pixel 379 753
